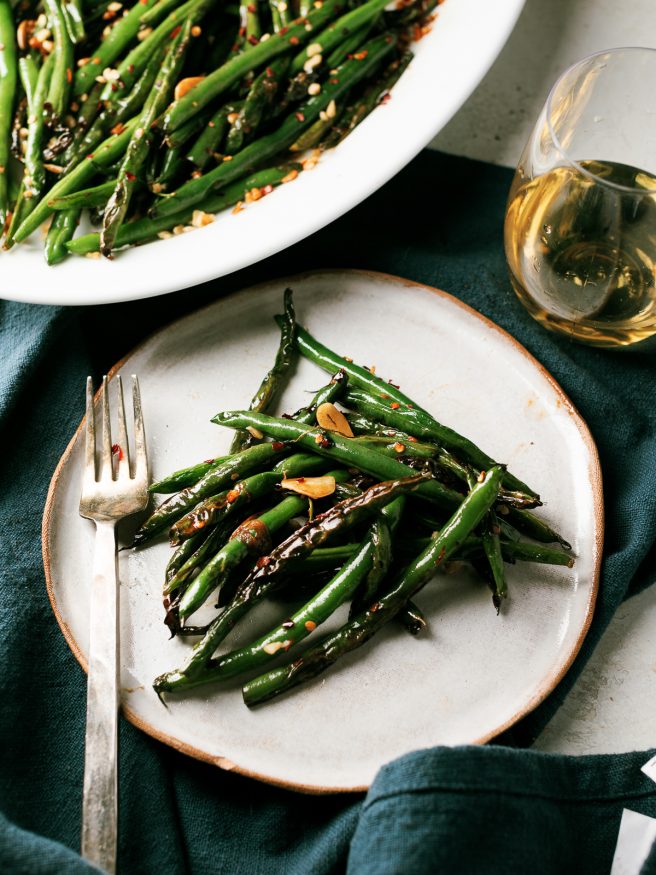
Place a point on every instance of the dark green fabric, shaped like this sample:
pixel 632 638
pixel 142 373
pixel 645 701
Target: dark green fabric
pixel 439 222
pixel 528 812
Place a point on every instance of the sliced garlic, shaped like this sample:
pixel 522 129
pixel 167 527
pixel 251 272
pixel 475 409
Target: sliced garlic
pixel 312 487
pixel 332 419
pixel 185 85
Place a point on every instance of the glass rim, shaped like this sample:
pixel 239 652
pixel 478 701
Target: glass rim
pixel 617 50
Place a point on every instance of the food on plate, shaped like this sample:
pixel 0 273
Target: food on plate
pixel 359 503
pixel 155 116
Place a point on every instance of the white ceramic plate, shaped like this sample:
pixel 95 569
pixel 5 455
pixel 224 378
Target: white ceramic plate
pixel 450 61
pixel 473 673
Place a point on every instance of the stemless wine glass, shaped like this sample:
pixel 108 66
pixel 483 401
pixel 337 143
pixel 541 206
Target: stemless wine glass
pixel 580 230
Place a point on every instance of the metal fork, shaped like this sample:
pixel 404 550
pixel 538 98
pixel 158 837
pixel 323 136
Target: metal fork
pixel 115 493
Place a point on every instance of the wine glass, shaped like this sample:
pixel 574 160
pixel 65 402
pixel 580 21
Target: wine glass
pixel 580 229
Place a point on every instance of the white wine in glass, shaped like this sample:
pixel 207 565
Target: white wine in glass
pixel 580 230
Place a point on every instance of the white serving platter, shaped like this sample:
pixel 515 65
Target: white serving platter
pixel 449 62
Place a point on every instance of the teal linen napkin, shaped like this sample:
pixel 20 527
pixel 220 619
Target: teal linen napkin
pixel 439 221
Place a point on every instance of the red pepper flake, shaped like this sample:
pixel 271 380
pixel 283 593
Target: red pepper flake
pixel 69 75
pixel 175 31
pixel 262 562
pixel 399 447
pixel 252 8
pixel 266 189
pixel 393 384
pixel 395 405
pixel 294 40
pixel 232 496
pixel 253 40
pixel 385 98
pixel 481 477
pixel 283 31
pixel 440 558
pixel 118 128
pixel 334 81
pixel 131 177
pixel 389 39
pixel 383 395
pixel 310 625
pixel 375 607
pixel 90 156
pixel 269 72
pixel 208 461
pixel 117 451
pixel 413 439
pixel 277 446
pixel 299 116
pixel 131 68
pixel 360 56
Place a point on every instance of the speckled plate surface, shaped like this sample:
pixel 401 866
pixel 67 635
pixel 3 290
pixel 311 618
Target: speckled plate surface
pixel 473 673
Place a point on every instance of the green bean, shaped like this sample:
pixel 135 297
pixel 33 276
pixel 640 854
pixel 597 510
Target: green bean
pixel 117 109
pixel 364 626
pixel 260 98
pixel 234 468
pixel 141 230
pixel 61 230
pixel 133 65
pixel 212 136
pixel 233 70
pixel 274 380
pixel 111 47
pixel 8 79
pixel 267 147
pixel 332 391
pixel 184 477
pixel 62 71
pixel 74 20
pixel 104 156
pixel 34 175
pixel 96 196
pixel 345 450
pixel 493 554
pixel 301 624
pixel 266 574
pixel 141 141
pixel 336 32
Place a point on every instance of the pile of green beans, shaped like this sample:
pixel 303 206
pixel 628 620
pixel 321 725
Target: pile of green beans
pixel 376 512
pixel 152 117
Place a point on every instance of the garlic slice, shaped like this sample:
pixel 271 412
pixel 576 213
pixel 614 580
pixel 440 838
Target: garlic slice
pixel 332 419
pixel 312 487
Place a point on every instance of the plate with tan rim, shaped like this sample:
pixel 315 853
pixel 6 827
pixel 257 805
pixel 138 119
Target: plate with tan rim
pixel 472 673
pixel 449 62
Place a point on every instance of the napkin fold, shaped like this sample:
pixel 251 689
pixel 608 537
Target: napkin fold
pixel 439 222
pixel 495 810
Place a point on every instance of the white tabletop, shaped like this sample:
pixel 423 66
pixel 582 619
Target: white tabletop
pixel 612 707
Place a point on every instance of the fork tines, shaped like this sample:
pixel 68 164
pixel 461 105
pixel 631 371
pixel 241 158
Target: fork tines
pixel 115 453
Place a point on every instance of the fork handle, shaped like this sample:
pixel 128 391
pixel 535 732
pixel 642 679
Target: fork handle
pixel 99 800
